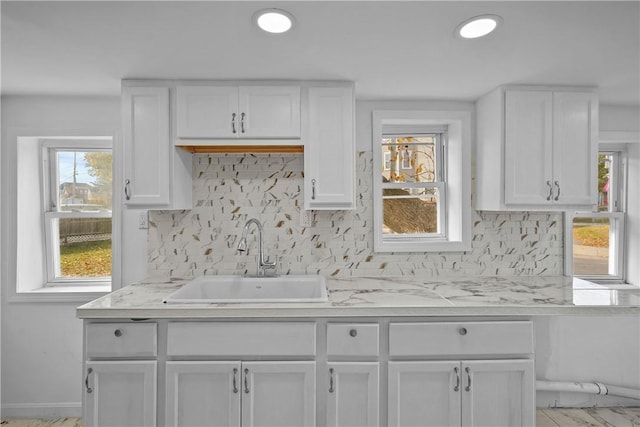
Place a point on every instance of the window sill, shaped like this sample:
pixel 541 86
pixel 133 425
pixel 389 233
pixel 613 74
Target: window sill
pixel 72 294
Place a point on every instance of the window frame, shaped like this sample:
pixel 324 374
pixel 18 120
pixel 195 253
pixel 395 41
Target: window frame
pixel 50 214
pixel 457 179
pixel 617 221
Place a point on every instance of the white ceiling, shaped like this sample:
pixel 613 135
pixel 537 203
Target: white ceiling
pixel 392 50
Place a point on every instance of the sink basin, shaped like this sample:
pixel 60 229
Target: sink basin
pixel 239 289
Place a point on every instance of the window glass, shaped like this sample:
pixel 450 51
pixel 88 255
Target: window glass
pixel 412 187
pixel 597 238
pixel 83 180
pixel 78 222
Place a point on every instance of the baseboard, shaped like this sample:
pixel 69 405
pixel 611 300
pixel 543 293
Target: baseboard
pixel 42 410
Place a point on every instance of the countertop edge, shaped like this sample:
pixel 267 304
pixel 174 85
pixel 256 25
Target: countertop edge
pixel 336 312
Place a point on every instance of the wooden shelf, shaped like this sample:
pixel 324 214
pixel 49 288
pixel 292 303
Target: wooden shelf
pixel 254 149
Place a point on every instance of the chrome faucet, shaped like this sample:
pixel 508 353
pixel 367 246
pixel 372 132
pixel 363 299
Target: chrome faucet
pixel 263 265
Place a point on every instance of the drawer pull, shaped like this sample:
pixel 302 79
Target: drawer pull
pixel 235 379
pixel 462 331
pixel 86 381
pixel 118 332
pixel 331 388
pixel 353 332
pixel 246 380
pixel 468 371
pixel 457 387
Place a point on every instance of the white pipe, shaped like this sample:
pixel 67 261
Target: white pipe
pixel 590 388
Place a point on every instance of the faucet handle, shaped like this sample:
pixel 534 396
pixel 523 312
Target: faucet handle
pixel 270 264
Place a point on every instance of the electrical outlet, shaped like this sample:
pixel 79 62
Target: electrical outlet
pixel 305 218
pixel 143 220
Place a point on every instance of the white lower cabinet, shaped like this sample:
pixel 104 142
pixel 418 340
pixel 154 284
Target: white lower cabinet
pixel 120 394
pixel 203 394
pixel 468 374
pixel 240 394
pixel 489 393
pixel 284 373
pixel 353 394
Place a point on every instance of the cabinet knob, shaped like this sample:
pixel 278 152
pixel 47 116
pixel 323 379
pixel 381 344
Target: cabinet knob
pixel 353 332
pixel 462 331
pixel 118 332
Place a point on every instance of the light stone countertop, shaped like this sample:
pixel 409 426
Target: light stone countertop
pixel 401 296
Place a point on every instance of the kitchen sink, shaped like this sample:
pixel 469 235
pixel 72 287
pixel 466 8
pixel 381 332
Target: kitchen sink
pixel 244 289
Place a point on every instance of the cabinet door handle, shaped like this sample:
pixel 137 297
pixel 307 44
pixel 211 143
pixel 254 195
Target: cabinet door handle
pixel 550 190
pixel 235 379
pixel 127 194
pixel 246 380
pixel 468 371
pixel 233 123
pixel 242 122
pixel 457 387
pixel 118 332
pixel 86 381
pixel 313 189
pixel 557 184
pixel 331 388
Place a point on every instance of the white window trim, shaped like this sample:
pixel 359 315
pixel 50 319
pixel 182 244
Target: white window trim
pixel 617 234
pixel 458 181
pixel 49 192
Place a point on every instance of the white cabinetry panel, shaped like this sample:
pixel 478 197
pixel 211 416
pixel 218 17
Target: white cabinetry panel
pixel 353 394
pixel 203 394
pixel 237 112
pixel 537 149
pixel 329 159
pixel 424 394
pixel 120 394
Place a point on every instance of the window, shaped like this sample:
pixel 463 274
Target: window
pixel 421 181
pixel 595 240
pixel 77 183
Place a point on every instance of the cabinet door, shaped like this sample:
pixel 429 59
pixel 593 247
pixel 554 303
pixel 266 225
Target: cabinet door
pixel 498 393
pixel 528 148
pixel 424 393
pixel 269 112
pixel 329 151
pixel 207 112
pixel 278 394
pixel 352 398
pixel 203 394
pixel 146 145
pixel 120 394
pixel 575 148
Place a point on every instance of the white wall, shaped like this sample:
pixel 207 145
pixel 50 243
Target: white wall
pixel 42 341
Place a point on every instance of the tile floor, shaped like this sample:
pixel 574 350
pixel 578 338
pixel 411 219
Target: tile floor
pixel 588 417
pixel 545 417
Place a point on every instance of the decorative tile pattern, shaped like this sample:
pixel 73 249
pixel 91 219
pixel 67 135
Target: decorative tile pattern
pixel 232 188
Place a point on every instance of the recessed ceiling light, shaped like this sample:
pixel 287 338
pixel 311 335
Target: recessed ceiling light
pixel 273 20
pixel 478 26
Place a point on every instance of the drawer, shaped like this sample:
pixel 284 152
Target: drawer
pixel 460 338
pixel 241 339
pixel 352 339
pixel 121 340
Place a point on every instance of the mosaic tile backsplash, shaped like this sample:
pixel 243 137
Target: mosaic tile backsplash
pixel 229 189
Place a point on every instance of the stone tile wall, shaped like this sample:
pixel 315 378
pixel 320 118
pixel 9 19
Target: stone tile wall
pixel 231 188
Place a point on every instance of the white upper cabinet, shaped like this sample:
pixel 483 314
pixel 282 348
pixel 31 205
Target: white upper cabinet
pixel 245 112
pixel 157 175
pixel 329 150
pixel 537 149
